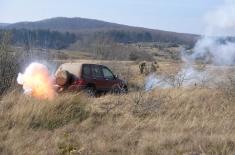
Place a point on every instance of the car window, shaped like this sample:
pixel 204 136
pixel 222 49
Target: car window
pixel 86 70
pixel 96 72
pixel 107 73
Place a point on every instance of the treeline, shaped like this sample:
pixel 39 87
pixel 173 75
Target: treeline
pixel 51 33
pixel 129 36
pixel 61 40
pixel 41 38
pixel 134 36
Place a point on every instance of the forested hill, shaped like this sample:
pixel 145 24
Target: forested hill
pixel 66 24
pixel 82 27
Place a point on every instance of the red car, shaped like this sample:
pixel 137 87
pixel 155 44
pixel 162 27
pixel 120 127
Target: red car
pixel 92 78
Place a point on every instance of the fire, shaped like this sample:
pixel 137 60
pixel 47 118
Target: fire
pixel 37 81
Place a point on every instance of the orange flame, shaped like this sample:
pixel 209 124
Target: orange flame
pixel 37 81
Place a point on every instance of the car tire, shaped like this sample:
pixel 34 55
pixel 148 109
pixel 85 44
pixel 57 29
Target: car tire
pixel 90 91
pixel 123 90
pixel 115 90
pixel 119 90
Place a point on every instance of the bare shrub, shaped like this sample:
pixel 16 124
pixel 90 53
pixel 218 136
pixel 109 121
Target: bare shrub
pixel 106 49
pixel 175 80
pixel 145 103
pixel 111 105
pixel 8 63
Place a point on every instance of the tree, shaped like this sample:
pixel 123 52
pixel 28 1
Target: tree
pixel 8 63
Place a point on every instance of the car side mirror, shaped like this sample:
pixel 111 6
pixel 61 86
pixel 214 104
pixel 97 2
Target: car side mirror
pixel 116 76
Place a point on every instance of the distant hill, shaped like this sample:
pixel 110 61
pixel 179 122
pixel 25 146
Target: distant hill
pixel 67 24
pixel 120 33
pixel 2 25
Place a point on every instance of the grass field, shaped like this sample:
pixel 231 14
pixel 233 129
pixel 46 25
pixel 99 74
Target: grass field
pixel 191 120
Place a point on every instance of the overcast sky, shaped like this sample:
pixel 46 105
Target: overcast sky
pixel 172 15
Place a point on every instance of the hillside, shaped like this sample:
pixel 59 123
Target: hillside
pixel 3 25
pixel 66 24
pixel 118 32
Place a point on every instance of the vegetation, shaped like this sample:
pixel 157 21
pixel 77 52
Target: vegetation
pixel 122 36
pixel 79 38
pixel 182 120
pixel 191 120
pixel 8 63
pixel 42 33
pixel 41 38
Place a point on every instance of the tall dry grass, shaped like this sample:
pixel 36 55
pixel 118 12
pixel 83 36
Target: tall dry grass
pixel 165 121
pixel 174 121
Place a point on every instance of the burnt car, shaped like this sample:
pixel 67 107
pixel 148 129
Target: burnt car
pixel 92 78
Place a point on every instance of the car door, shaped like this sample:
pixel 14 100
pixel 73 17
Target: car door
pixel 97 77
pixel 86 73
pixel 109 78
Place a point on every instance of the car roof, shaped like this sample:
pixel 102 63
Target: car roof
pixel 74 68
pixel 79 64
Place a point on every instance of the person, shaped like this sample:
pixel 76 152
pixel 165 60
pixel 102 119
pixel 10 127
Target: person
pixel 154 66
pixel 142 67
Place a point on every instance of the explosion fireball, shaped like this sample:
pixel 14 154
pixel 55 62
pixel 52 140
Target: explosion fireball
pixel 37 81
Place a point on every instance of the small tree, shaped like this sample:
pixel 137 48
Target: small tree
pixel 8 63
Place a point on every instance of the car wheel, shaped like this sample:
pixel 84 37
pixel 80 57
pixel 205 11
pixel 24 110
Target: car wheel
pixel 119 90
pixel 90 91
pixel 123 89
pixel 115 90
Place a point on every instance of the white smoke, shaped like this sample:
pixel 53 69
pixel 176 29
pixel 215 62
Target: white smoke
pixel 215 50
pixel 187 76
pixel 153 81
pixel 217 47
pixel 221 21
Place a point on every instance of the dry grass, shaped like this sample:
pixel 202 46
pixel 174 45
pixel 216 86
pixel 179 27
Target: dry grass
pixel 175 121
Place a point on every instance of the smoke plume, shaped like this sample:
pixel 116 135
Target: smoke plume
pixel 216 47
pixel 217 51
pixel 221 21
